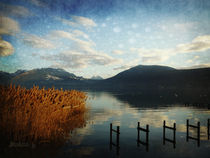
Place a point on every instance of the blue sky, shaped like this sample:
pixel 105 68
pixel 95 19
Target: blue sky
pixel 103 37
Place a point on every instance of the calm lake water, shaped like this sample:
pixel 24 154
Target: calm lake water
pixel 93 140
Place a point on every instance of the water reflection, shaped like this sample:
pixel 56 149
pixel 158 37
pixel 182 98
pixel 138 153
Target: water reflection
pixel 111 108
pixel 16 135
pixel 93 139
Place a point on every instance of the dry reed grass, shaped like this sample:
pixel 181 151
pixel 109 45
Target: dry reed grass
pixel 40 115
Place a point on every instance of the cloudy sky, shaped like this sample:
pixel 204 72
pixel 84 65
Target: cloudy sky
pixel 103 37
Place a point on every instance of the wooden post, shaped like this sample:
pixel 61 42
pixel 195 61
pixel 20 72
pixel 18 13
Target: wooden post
pixel 208 124
pixel 118 134
pixel 118 140
pixel 175 132
pixel 198 133
pixel 147 138
pixel 146 130
pixel 187 129
pixel 138 130
pixel 174 135
pixel 147 134
pixel 110 136
pixel 117 144
pixel 164 130
pixel 138 136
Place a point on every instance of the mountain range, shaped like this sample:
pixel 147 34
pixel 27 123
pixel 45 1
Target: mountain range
pixel 139 78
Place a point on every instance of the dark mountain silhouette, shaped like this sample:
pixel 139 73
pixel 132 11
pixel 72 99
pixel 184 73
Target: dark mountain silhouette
pixel 44 74
pixel 47 77
pixel 160 84
pixel 5 77
pixel 18 72
pixel 147 77
pixel 139 78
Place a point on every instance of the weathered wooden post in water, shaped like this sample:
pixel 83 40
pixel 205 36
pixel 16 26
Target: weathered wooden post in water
pixel 208 126
pixel 198 132
pixel 146 143
pixel 117 144
pixel 110 141
pixel 118 136
pixel 174 134
pixel 187 130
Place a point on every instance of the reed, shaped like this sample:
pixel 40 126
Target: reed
pixel 40 115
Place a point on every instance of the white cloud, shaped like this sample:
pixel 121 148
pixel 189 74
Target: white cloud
pixel 128 65
pixel 84 21
pixel 79 33
pixel 205 38
pixel 193 60
pixel 60 34
pixel 154 59
pixel 189 61
pixel 8 26
pixel 78 21
pixel 14 10
pixel 71 36
pixel 36 41
pixel 123 67
pixel 199 44
pixel 81 53
pixel 153 56
pixel 207 65
pixel 38 3
pixel 67 22
pixel 76 59
pixel 118 52
pixel 6 48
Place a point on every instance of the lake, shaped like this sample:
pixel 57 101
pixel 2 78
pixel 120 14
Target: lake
pixel 93 140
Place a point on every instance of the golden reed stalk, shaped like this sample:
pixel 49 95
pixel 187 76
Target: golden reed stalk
pixel 40 115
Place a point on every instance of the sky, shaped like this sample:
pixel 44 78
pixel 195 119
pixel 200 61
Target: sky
pixel 103 37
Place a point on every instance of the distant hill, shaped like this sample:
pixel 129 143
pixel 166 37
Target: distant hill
pixel 43 74
pixel 142 72
pixel 43 77
pixel 18 72
pixel 146 77
pixel 5 77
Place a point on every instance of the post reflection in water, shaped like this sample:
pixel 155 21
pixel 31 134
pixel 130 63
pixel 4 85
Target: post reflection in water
pixel 198 132
pixel 139 141
pixel 117 144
